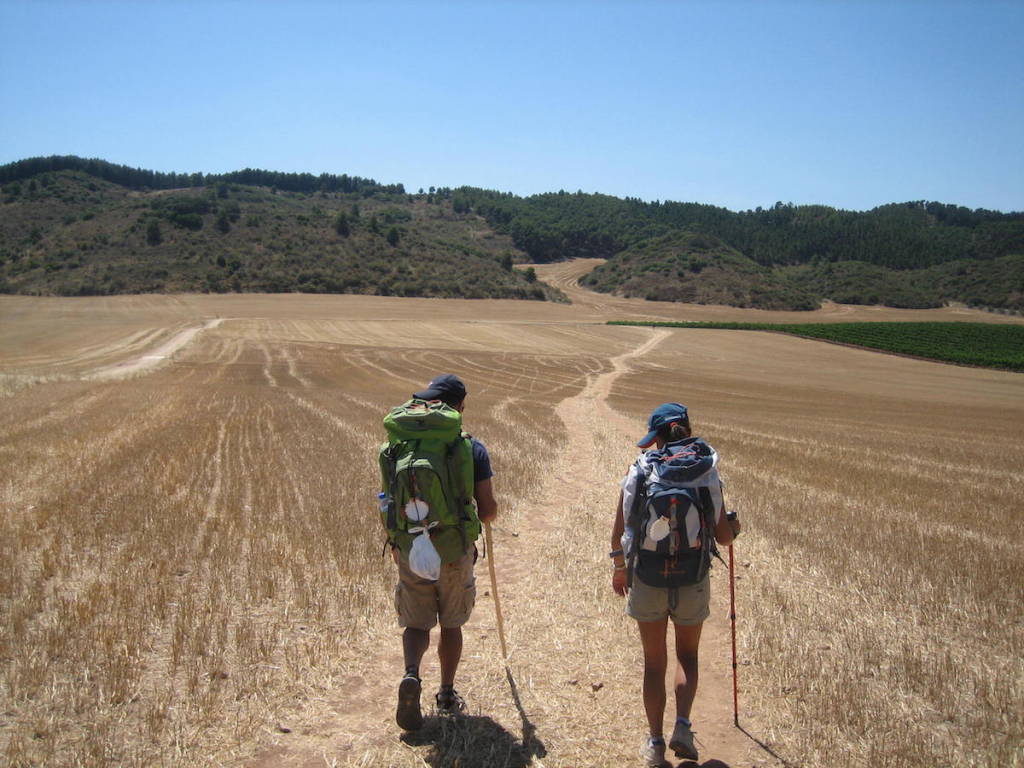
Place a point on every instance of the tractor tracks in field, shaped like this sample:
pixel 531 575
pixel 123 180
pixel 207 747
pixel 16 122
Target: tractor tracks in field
pixel 154 357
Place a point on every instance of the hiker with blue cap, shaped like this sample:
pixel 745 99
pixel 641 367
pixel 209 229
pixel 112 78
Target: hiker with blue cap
pixel 669 520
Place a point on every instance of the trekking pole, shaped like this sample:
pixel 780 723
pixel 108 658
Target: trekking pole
pixel 494 591
pixel 732 619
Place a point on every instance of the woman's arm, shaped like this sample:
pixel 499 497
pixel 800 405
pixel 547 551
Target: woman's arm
pixel 725 529
pixel 619 560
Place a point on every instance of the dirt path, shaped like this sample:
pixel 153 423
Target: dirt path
pixel 565 700
pixel 602 441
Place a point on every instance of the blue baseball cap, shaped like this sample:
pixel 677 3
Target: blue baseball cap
pixel 665 414
pixel 448 388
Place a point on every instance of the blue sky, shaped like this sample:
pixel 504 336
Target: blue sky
pixel 852 103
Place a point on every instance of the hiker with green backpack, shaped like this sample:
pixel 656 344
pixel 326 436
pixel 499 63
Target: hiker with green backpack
pixel 669 518
pixel 435 493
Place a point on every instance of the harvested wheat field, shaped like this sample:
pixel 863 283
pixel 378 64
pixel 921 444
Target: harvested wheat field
pixel 192 568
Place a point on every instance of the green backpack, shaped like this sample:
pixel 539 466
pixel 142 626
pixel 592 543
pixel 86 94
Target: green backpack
pixel 426 469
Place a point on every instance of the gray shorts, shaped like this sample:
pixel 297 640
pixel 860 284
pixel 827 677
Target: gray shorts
pixel 689 605
pixel 421 604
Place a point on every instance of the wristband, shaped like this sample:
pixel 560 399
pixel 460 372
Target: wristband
pixel 615 553
pixel 619 568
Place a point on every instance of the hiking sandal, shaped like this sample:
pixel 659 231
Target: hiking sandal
pixel 408 715
pixel 449 701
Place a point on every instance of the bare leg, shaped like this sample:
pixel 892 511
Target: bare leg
pixel 652 637
pixel 414 644
pixel 687 643
pixel 449 652
pixel 408 714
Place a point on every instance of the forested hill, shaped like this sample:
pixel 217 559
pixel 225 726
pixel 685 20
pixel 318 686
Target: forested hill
pixel 554 226
pixel 914 254
pixel 139 178
pixel 75 227
pixel 70 225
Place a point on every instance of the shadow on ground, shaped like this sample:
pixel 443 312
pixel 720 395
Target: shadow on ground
pixel 473 741
pixel 783 761
pixel 470 741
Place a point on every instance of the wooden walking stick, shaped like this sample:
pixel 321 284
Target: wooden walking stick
pixel 494 591
pixel 732 619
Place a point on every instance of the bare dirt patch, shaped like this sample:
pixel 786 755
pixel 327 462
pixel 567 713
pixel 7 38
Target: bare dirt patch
pixel 154 357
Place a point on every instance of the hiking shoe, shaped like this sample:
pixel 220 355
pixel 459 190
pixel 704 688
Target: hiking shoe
pixel 654 754
pixel 408 715
pixel 682 741
pixel 449 701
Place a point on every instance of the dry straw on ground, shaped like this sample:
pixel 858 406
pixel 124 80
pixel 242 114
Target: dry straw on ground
pixel 191 570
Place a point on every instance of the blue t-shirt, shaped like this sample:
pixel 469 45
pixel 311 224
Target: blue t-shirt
pixel 481 461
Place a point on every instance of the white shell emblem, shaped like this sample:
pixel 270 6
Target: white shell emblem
pixel 416 509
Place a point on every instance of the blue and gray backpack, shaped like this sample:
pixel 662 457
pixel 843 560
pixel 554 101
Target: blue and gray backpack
pixel 674 515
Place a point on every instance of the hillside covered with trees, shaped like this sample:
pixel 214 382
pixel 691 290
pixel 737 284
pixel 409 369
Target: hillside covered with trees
pixel 915 254
pixel 74 226
pixel 695 268
pixel 83 227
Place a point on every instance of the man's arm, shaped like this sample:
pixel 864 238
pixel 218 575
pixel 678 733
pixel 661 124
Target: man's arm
pixel 486 504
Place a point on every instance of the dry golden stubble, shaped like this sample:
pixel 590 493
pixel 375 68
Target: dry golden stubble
pixel 289 604
pixel 252 497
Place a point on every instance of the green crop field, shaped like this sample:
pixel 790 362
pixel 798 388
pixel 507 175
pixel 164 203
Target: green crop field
pixel 983 344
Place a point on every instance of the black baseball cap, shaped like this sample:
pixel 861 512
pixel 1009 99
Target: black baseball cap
pixel 667 413
pixel 448 388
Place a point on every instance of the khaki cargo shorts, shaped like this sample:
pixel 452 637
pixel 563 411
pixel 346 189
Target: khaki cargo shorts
pixel 450 599
pixel 689 606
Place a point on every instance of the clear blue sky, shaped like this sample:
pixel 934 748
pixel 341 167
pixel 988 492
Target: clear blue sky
pixel 850 103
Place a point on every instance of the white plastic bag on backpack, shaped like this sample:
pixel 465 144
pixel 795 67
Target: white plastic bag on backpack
pixel 423 558
pixel 659 529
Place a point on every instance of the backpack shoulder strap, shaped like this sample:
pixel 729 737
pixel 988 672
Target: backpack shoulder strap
pixel 456 481
pixel 707 512
pixel 388 463
pixel 640 492
pixel 460 482
pixel 634 520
